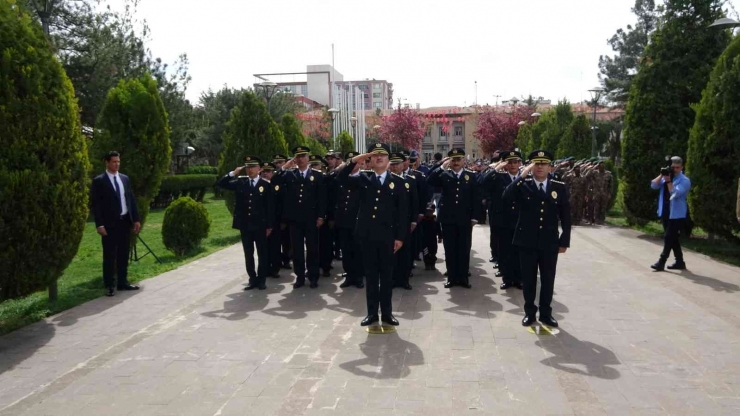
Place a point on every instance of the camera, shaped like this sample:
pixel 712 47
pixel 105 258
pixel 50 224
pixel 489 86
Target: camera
pixel 666 170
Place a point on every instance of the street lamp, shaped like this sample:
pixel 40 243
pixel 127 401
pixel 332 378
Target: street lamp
pixel 44 8
pixel 270 89
pixel 595 96
pixel 353 121
pixel 333 112
pixel 725 23
pixel 513 100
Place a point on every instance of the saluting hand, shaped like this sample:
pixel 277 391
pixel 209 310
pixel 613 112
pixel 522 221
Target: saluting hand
pixel 319 222
pixel 363 156
pixel 397 245
pixel 289 164
pixel 238 170
pixel 268 231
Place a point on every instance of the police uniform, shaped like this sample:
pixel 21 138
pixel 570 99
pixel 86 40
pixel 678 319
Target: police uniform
pixel 382 219
pixel 305 203
pixel 326 237
pixel 543 207
pixel 273 241
pixel 404 258
pixel 253 216
pixel 504 216
pixel 423 198
pixel 459 208
pixel 345 220
pixel 283 231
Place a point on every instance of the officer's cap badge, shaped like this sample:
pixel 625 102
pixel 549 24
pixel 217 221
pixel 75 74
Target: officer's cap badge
pixel 541 154
pixel 248 158
pixel 378 145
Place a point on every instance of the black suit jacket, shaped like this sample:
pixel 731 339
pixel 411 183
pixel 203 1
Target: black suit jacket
pixel 421 191
pixel 305 199
pixel 255 207
pixel 347 206
pixel 503 213
pixel 540 215
pixel 460 202
pixel 383 213
pixel 105 206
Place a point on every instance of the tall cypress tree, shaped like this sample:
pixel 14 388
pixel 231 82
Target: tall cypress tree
pixel 671 77
pixel 714 148
pixel 576 141
pixel 292 131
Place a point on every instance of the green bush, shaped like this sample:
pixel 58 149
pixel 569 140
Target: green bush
pixel 133 121
pixel 659 114
pixel 201 170
pixel 176 186
pixel 185 225
pixel 292 132
pixel 250 131
pixel 576 141
pixel 43 160
pixel 714 148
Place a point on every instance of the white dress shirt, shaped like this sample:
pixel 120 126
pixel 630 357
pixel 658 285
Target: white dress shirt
pixel 382 177
pixel 113 177
pixel 303 173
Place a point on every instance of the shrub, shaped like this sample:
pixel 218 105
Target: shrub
pixel 201 170
pixel 714 148
pixel 576 141
pixel 43 160
pixel 133 121
pixel 176 186
pixel 186 224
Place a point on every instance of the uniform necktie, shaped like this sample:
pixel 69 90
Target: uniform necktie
pixel 378 179
pixel 118 193
pixel 542 188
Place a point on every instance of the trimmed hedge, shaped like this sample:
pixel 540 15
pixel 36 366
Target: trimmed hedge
pixel 201 170
pixel 177 186
pixel 186 223
pixel 43 159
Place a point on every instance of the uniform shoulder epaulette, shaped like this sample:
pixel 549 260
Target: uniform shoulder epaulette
pixel 528 179
pixel 410 177
pixel 398 176
pixel 557 181
pixel 468 170
pixel 366 170
pixel 242 176
pixel 316 170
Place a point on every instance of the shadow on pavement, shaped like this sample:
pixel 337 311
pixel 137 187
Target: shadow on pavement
pixel 21 344
pixel 297 302
pixel 391 356
pixel 572 354
pixel 239 305
pixel 72 316
pixel 475 301
pixel 716 284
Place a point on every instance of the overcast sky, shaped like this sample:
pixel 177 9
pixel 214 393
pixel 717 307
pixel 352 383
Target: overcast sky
pixel 432 51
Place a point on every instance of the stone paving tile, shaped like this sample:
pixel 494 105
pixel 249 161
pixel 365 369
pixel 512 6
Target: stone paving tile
pixel 189 345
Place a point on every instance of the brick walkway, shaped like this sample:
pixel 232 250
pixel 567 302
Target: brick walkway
pixel 193 343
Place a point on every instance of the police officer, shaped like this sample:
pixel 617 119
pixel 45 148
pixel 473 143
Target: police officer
pixel 253 217
pixel 273 241
pixel 404 257
pixel 345 217
pixel 459 210
pixel 543 204
pixel 382 225
pixel 305 210
pixel 278 161
pixel 326 240
pixel 410 169
pixel 504 216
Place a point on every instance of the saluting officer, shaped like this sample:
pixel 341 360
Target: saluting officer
pixel 273 241
pixel 305 211
pixel 345 217
pixel 410 168
pixel 382 225
pixel 326 232
pixel 253 217
pixel 459 210
pixel 404 257
pixel 543 204
pixel 504 216
pixel 285 250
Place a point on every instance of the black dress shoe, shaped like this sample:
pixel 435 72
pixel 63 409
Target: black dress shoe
pixel 250 286
pixel 469 274
pixel 389 319
pixel 449 284
pixel 346 283
pixel 360 285
pixel 677 266
pixel 314 285
pixel 369 320
pixel 407 286
pixel 528 320
pixel 128 287
pixel 505 285
pixel 297 285
pixel 466 285
pixel 343 275
pixel 110 292
pixel 549 321
pixel 262 287
pixel 499 274
pixel 275 275
pixel 495 266
pixel 658 267
pixel 492 260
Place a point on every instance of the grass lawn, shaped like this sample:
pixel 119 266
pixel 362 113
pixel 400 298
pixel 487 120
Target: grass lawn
pixel 83 279
pixel 722 250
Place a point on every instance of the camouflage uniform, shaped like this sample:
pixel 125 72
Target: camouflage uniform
pixel 602 194
pixel 591 180
pixel 578 189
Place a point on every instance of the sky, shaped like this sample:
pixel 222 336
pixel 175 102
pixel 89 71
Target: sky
pixel 432 51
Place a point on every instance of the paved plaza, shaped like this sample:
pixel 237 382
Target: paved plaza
pixel 192 342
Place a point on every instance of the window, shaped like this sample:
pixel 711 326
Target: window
pixel 362 86
pixel 376 86
pixel 458 131
pixel 442 132
pixel 367 95
pixel 304 90
pixel 378 105
pixel 428 132
pixel 376 95
pixel 367 105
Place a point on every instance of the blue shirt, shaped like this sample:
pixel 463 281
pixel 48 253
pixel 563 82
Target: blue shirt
pixel 678 205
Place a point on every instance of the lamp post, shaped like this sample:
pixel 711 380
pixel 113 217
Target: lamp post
pixel 333 113
pixel 269 88
pixel 725 23
pixel 595 96
pixel 44 8
pixel 353 121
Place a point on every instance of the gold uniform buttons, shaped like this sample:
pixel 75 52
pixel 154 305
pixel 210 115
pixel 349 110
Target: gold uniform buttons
pixel 373 216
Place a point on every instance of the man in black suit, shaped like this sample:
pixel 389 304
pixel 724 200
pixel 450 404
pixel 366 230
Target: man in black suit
pixel 544 204
pixel 305 211
pixel 504 216
pixel 410 165
pixel 404 257
pixel 345 217
pixel 285 250
pixel 460 208
pixel 273 241
pixel 114 208
pixel 326 232
pixel 254 217
pixel 382 225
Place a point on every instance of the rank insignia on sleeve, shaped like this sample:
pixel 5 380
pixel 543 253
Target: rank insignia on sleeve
pixel 311 178
pixel 277 188
pixel 554 195
pixel 392 185
pixel 407 185
pixel 262 189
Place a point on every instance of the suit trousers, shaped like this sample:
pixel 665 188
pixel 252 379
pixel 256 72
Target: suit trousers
pixel 530 260
pixel 377 258
pixel 326 246
pixel 337 242
pixel 251 238
pixel 494 237
pixel 273 241
pixel 285 248
pixel 508 255
pixel 456 239
pixel 116 247
pixel 402 261
pixel 672 238
pixel 351 255
pixel 300 233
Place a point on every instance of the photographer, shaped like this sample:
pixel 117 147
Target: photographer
pixel 674 186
